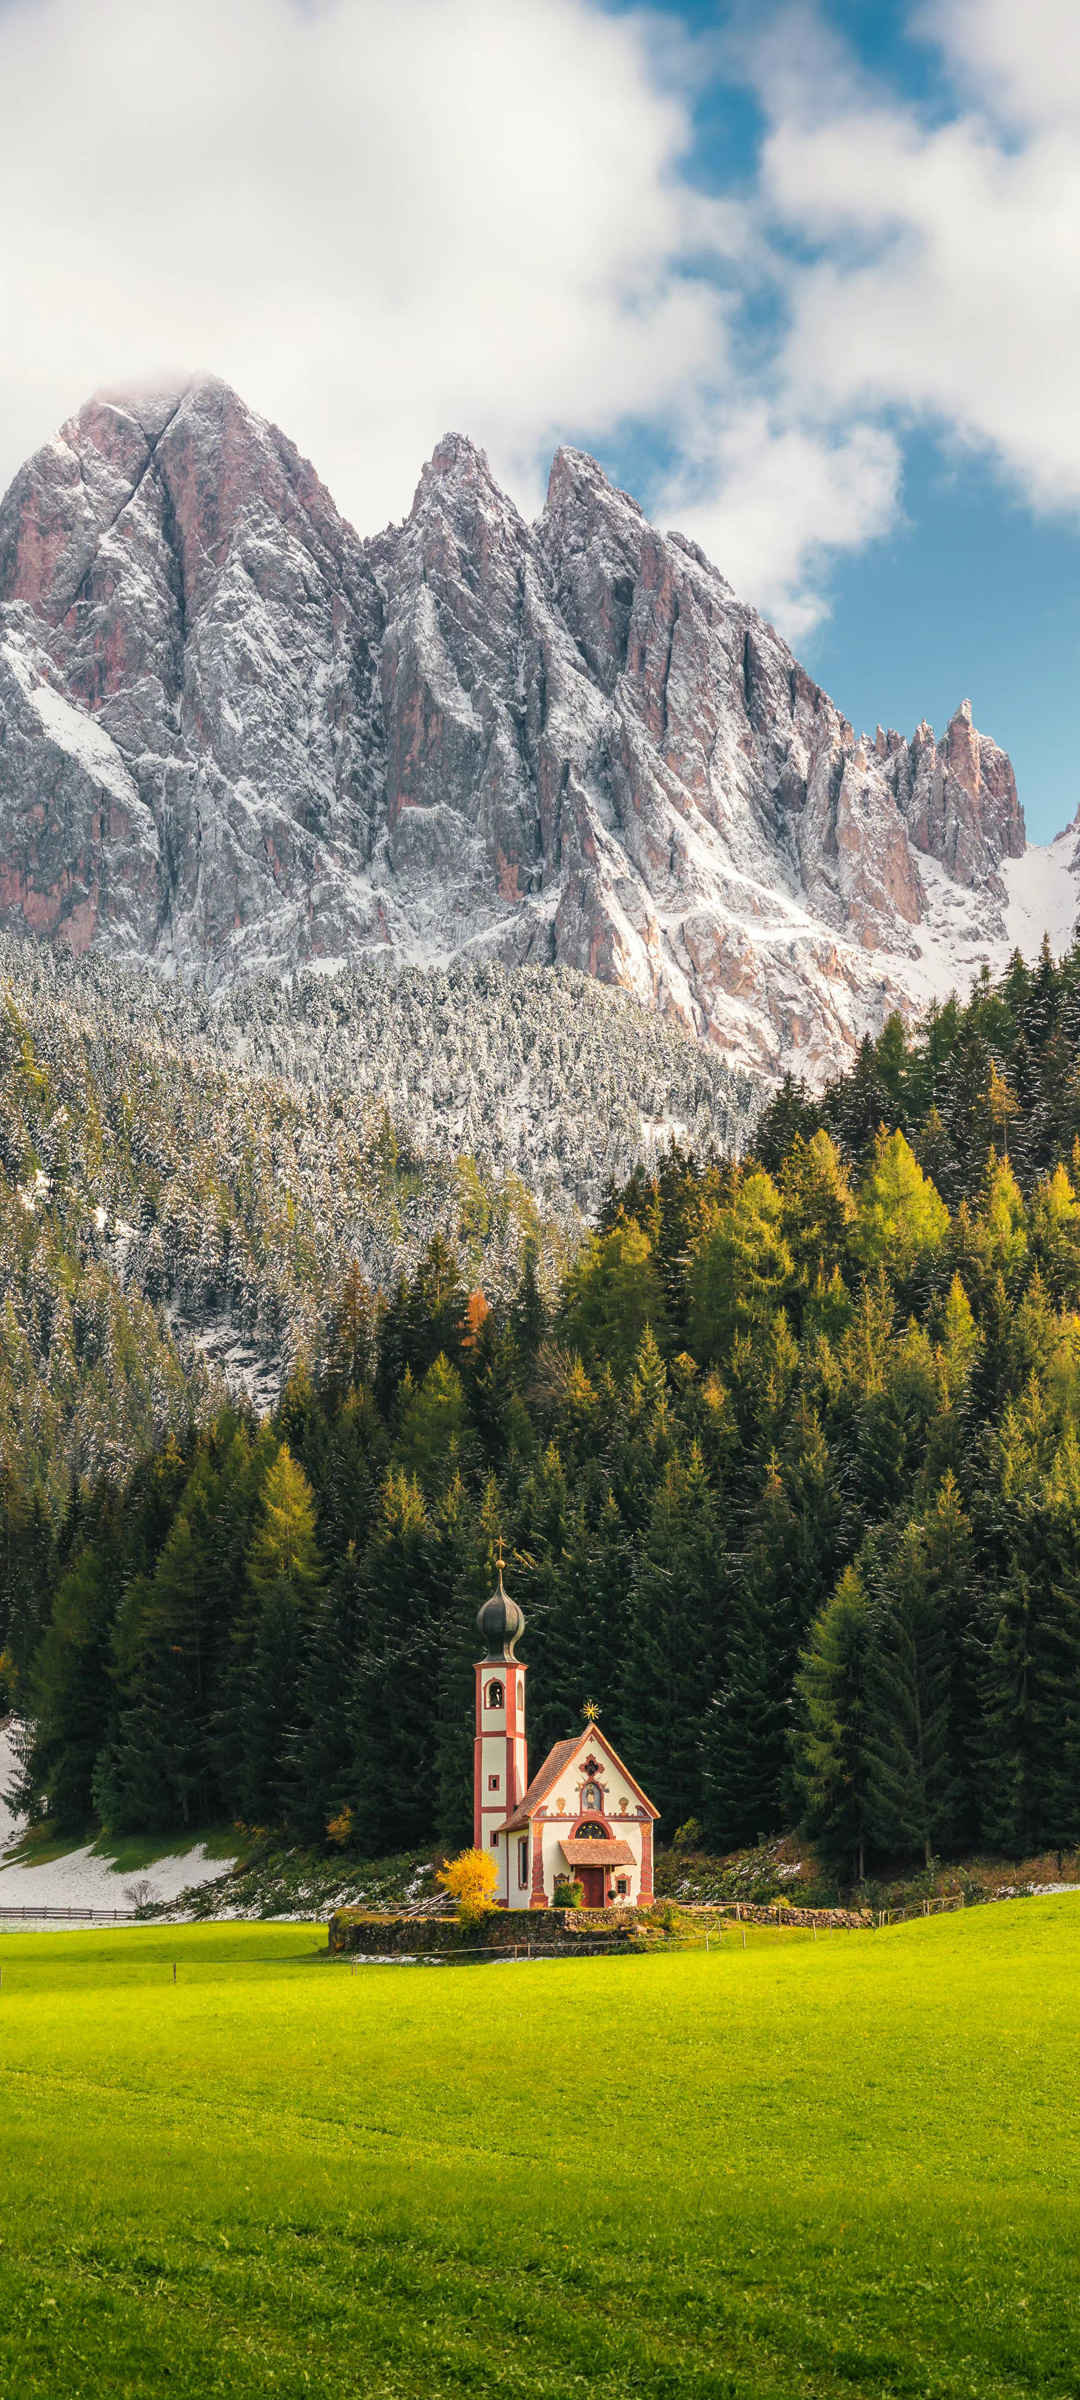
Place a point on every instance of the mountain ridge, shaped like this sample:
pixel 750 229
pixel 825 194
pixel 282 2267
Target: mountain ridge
pixel 237 737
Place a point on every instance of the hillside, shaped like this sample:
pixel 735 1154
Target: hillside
pixel 998 1068
pixel 787 1468
pixel 174 1223
pixel 236 738
pixel 539 1074
pixel 190 1185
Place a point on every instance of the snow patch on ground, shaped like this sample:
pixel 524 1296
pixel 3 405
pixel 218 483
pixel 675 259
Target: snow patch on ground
pixel 80 1880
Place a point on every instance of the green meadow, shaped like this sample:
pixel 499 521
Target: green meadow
pixel 800 2168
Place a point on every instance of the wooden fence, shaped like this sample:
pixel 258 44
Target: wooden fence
pixel 73 1916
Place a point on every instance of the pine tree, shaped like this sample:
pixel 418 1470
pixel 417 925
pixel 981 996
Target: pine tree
pixel 912 1782
pixel 171 1647
pixel 614 1292
pixel 284 1575
pixel 674 1639
pixel 528 1315
pixel 900 1216
pixel 434 1441
pixel 1025 1649
pixel 831 1757
pixel 70 1686
pixel 464 1540
pixel 741 1268
pixel 818 1207
pixel 395 1689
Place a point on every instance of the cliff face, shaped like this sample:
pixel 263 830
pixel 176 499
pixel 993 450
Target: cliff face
pixel 234 735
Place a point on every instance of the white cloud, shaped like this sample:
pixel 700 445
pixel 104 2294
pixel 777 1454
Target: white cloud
pixel 948 251
pixel 773 501
pixel 1024 63
pixel 378 218
pixel 383 218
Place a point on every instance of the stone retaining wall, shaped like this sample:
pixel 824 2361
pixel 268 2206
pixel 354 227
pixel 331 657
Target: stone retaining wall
pixel 777 1912
pixel 374 1934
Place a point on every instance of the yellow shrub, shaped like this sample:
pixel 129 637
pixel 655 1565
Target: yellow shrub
pixel 470 1880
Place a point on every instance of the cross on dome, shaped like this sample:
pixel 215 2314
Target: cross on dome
pixel 500 1620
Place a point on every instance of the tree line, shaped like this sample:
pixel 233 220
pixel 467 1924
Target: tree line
pixel 787 1469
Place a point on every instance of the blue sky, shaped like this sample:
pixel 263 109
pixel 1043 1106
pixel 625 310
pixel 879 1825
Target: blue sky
pixel 973 587
pixel 802 273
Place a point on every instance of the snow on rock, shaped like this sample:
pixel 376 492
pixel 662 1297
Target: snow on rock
pixel 1043 890
pixel 84 740
pixel 235 737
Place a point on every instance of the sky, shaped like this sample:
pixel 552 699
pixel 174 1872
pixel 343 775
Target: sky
pixel 802 276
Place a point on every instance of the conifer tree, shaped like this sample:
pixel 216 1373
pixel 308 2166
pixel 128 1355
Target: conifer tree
pixel 674 1639
pixel 613 1293
pixel 284 1575
pixel 912 1792
pixel 831 1755
pixel 528 1315
pixel 320 1746
pixel 70 1686
pixel 1026 1653
pixel 434 1439
pixel 464 1542
pixel 741 1268
pixel 900 1216
pixel 395 1689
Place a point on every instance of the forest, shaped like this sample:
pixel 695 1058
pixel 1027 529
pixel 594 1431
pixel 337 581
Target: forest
pixel 787 1467
pixel 186 1177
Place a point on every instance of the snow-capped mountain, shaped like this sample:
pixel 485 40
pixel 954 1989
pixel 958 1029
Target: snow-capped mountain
pixel 235 736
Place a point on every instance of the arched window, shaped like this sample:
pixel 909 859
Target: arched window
pixel 494 1695
pixel 592 1798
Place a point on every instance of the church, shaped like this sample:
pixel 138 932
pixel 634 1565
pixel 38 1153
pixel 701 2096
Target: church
pixel 582 1817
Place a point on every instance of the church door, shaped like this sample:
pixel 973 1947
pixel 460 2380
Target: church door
pixel 591 1880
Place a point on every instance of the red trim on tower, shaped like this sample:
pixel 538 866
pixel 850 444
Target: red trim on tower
pixel 538 1896
pixel 645 1895
pixel 511 1674
pixel 478 1769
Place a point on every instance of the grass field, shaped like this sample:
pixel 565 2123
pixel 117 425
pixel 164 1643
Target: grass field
pixel 842 2167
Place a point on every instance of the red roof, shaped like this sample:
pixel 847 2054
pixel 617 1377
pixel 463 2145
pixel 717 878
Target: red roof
pixel 580 1852
pixel 542 1782
pixel 590 1737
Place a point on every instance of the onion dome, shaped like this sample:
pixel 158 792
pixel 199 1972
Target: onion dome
pixel 500 1621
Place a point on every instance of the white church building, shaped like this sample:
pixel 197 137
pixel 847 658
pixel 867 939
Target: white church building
pixel 582 1816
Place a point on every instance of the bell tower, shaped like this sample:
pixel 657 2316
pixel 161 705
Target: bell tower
pixel 500 1758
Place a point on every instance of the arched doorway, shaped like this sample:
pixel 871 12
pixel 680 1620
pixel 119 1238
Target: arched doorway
pixel 593 1880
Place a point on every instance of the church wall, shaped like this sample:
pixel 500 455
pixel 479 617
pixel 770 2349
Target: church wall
pixel 563 1808
pixel 555 1832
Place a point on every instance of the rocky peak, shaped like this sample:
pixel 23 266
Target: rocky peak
pixel 234 735
pixel 458 502
pixel 593 538
pixel 578 491
pixel 959 799
pixel 456 458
